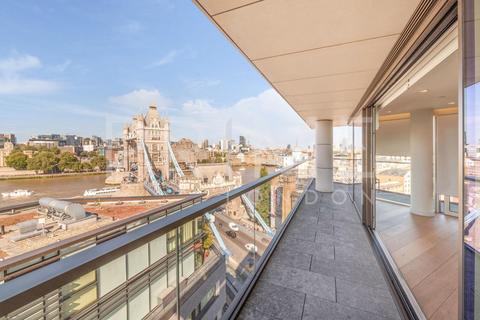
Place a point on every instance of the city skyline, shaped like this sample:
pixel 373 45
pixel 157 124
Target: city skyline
pixel 196 78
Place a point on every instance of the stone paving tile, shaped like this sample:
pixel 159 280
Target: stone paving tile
pixel 347 251
pixel 301 280
pixel 346 233
pixel 277 301
pixel 292 258
pixel 316 308
pixel 323 268
pixel 321 237
pixel 324 250
pixel 350 269
pixel 366 298
pixel 250 313
pixel 299 234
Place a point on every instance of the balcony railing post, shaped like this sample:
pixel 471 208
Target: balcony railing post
pixel 177 235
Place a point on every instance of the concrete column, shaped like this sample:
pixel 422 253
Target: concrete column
pixel 421 152
pixel 324 156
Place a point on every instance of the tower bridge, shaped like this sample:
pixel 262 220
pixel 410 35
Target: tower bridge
pixel 148 153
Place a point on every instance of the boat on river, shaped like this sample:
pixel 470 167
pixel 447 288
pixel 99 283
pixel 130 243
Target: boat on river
pixel 17 193
pixel 100 192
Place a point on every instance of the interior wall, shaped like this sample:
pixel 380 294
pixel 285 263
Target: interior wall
pixel 393 138
pixel 447 150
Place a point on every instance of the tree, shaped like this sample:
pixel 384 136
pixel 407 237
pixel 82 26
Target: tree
pixel 99 163
pixel 86 166
pixel 92 154
pixel 208 239
pixel 17 160
pixel 68 162
pixel 263 203
pixel 45 161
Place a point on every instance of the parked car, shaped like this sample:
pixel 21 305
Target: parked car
pixel 251 247
pixel 231 234
pixel 233 226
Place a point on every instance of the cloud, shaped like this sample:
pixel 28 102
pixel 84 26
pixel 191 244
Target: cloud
pixel 166 59
pixel 265 120
pixel 26 86
pixel 139 100
pixel 62 66
pixel 13 65
pixel 13 82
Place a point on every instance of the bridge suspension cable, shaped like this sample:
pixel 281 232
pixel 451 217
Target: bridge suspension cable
pixel 175 162
pixel 154 185
pixel 256 215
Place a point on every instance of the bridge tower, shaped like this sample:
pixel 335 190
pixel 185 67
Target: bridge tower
pixel 155 132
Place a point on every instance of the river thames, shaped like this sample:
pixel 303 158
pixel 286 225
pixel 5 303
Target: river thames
pixel 65 187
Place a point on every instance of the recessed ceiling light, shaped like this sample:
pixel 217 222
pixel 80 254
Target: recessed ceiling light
pixel 423 91
pixel 389 111
pixel 451 102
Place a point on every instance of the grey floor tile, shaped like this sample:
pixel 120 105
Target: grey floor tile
pixel 276 301
pixel 301 280
pixel 374 300
pixel 299 233
pixel 249 312
pixel 328 239
pixel 316 308
pixel 325 227
pixel 348 251
pixel 324 250
pixel 323 268
pixel 351 233
pixel 292 258
pixel 350 269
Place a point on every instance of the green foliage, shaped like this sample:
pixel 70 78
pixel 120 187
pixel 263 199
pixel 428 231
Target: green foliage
pixel 263 202
pixel 99 163
pixel 86 166
pixel 208 238
pixel 17 160
pixel 45 161
pixel 69 162
pixel 53 161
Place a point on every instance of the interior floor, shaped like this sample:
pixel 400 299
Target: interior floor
pixel 426 252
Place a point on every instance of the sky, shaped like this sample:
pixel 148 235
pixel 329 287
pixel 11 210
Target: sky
pixel 86 67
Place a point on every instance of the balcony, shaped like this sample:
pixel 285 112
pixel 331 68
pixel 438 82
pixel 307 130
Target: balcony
pixel 323 266
pixel 319 261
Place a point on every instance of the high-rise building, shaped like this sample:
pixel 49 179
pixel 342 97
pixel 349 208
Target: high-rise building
pixel 205 144
pixel 242 141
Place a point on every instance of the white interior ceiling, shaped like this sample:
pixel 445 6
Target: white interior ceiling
pixel 441 85
pixel 320 55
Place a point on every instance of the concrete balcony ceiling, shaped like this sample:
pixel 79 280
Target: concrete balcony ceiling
pixel 320 55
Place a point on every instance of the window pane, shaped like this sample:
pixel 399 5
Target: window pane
pixel 139 305
pixel 158 248
pixel 112 275
pixel 137 260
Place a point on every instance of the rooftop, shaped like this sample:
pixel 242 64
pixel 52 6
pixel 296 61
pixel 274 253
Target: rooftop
pixel 99 214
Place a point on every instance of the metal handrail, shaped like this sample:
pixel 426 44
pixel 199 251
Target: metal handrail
pixel 22 290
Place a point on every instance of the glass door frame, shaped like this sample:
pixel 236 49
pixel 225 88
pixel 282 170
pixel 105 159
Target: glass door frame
pixel 368 167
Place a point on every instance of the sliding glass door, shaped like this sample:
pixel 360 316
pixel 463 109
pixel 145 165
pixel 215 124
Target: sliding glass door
pixel 471 159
